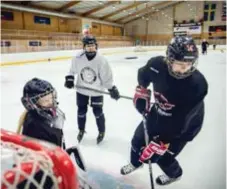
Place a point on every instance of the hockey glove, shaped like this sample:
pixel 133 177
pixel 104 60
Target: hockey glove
pixel 141 99
pixel 114 93
pixel 153 148
pixel 69 81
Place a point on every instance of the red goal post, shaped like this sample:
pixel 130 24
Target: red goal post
pixel 35 163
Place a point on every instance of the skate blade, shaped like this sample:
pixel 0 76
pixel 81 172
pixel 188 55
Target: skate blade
pixel 99 141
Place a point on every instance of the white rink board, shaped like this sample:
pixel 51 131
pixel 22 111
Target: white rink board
pixel 19 58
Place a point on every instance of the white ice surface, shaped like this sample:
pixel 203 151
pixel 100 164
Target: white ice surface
pixel 202 160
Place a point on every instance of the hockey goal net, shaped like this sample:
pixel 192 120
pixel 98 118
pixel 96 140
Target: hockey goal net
pixel 139 48
pixel 33 164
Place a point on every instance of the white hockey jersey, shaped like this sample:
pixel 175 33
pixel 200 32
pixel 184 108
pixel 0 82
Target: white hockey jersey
pixel 95 74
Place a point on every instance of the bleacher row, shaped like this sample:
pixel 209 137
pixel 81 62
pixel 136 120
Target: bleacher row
pixel 14 41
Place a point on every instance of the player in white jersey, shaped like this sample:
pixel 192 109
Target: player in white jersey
pixel 93 71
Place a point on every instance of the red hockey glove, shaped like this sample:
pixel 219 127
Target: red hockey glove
pixel 153 148
pixel 141 99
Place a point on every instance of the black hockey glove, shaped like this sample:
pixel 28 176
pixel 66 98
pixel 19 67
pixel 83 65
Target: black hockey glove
pixel 114 93
pixel 69 81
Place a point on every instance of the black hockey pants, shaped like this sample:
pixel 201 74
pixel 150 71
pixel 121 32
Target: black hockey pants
pixel 96 104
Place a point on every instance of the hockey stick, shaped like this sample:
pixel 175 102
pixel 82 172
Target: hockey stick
pixel 76 152
pixel 77 156
pixel 102 92
pixel 147 142
pixel 80 163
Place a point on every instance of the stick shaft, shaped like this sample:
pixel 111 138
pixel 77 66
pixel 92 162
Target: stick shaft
pixel 104 92
pixel 146 136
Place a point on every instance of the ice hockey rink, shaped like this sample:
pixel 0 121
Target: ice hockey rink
pixel 202 160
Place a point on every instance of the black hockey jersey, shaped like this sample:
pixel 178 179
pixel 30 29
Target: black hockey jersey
pixel 179 107
pixel 41 128
pixel 204 44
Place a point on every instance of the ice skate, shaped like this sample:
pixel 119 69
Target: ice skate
pixel 100 137
pixel 164 180
pixel 127 169
pixel 80 135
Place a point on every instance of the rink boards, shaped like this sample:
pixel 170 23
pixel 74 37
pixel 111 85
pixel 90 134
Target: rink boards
pixel 51 56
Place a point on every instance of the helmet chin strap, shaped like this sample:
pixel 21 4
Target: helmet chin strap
pixel 49 113
pixel 53 111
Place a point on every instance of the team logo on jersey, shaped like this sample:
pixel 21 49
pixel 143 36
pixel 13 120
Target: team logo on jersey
pixel 190 48
pixel 163 104
pixel 88 75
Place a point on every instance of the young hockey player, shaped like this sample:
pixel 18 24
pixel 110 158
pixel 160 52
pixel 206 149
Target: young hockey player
pixel 204 45
pixel 177 116
pixel 94 72
pixel 43 119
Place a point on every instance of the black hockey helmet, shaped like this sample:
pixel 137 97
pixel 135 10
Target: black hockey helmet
pixel 87 40
pixel 33 91
pixel 182 48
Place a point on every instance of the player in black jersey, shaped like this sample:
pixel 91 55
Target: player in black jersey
pixel 204 46
pixel 43 119
pixel 177 116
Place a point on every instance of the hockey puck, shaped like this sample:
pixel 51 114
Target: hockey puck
pixel 131 57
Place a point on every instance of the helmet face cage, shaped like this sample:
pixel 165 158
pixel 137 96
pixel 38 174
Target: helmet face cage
pixel 179 75
pixel 31 103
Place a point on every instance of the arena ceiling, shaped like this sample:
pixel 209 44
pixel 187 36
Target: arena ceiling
pixel 118 12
